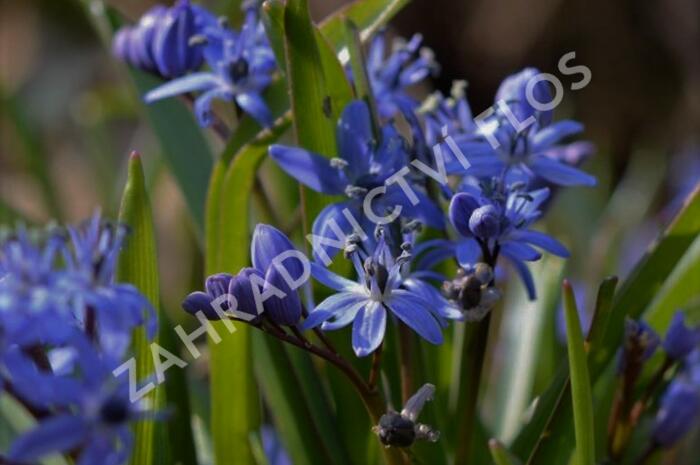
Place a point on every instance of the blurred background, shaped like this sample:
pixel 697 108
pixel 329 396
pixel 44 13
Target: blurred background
pixel 69 114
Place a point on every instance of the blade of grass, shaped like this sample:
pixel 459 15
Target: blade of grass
pixel 501 455
pixel 580 381
pixel 138 265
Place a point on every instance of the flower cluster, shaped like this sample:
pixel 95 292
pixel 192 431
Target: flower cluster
pixel 65 324
pixel 176 42
pixel 679 407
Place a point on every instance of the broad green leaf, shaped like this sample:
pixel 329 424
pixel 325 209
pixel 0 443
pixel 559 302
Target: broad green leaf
pixel 184 147
pixel 310 98
pixel 523 330
pixel 679 289
pixel 234 395
pixel 500 454
pixel 138 265
pixel 580 382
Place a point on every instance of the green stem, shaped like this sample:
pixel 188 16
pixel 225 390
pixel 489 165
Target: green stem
pixel 405 362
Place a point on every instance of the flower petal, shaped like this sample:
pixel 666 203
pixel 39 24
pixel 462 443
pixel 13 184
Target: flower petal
pixel 543 241
pixel 368 329
pixel 310 169
pixel 520 251
pixel 60 433
pixel 415 313
pixel 560 174
pixel 330 279
pixel 255 106
pixel 461 208
pixel 190 83
pixel 554 133
pixel 342 306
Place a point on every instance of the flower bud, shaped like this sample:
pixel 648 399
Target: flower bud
pixel 680 340
pixel 484 222
pixel 174 56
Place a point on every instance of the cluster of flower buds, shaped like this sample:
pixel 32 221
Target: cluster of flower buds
pixel 401 429
pixel 160 42
pixel 470 291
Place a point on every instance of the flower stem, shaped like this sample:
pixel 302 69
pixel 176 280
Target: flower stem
pixel 376 367
pixel 405 362
pixel 371 397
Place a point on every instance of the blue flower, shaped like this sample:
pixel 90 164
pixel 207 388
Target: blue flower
pixel 273 447
pixel 95 415
pixel 499 148
pixel 366 303
pixel 680 340
pixel 640 343
pixel 241 65
pixel 678 413
pixel 500 223
pixel 117 308
pixel 160 42
pixel 364 164
pixel 391 76
pixel 273 265
pixel 34 305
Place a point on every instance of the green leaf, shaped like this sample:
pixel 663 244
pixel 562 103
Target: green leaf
pixel 580 382
pixel 310 98
pixel 184 148
pixel 234 394
pixel 552 418
pixel 138 265
pixel 363 87
pixel 501 455
pixel 678 291
pixel 368 15
pixel 554 411
pixel 524 324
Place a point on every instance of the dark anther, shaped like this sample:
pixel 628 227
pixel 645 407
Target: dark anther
pixel 395 430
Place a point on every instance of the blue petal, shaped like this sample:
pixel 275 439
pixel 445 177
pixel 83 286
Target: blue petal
pixel 425 210
pixel 332 280
pixel 354 135
pixel 554 133
pixel 202 105
pixel 334 214
pixel 368 329
pixel 559 173
pixel 60 433
pixel 520 251
pixel 186 84
pixel 268 243
pixel 281 310
pixel 468 252
pixel 341 307
pixel 415 313
pixel 525 274
pixel 310 169
pixel 428 293
pixel 199 302
pixel 461 208
pixel 255 106
pixel 543 241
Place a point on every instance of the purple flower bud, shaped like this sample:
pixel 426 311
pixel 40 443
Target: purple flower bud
pixel 282 305
pixel 173 54
pixel 679 411
pixel 484 222
pixel 640 344
pixel 242 289
pixel 680 340
pixel 269 243
pixel 522 92
pixel 461 208
pixel 134 44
